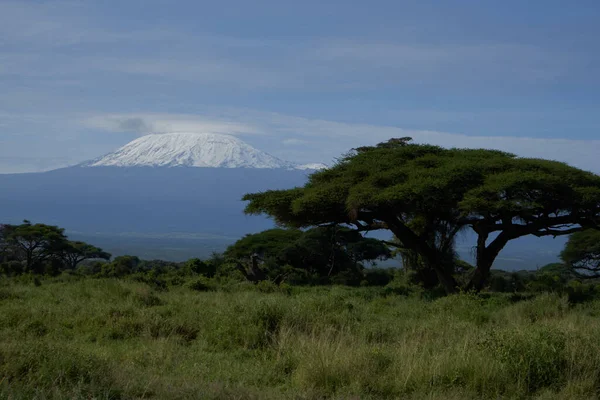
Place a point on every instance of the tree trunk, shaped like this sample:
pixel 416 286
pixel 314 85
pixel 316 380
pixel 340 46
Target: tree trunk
pixel 448 282
pixel 29 261
pixel 437 263
pixel 480 276
pixel 486 255
pixel 432 257
pixel 253 273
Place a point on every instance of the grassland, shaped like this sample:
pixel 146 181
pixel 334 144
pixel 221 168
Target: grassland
pixel 72 338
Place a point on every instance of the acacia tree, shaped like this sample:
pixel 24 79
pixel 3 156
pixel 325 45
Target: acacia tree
pixel 33 243
pixel 582 254
pixel 425 195
pixel 74 253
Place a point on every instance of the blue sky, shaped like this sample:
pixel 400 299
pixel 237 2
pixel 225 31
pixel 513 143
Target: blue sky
pixel 305 81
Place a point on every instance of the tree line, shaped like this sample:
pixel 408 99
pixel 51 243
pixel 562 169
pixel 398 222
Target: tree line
pixel 317 256
pixel 314 256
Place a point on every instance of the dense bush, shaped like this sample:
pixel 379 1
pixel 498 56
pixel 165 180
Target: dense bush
pixel 318 255
pixel 200 284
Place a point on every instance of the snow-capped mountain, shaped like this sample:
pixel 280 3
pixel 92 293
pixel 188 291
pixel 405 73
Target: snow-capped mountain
pixel 206 150
pixel 190 183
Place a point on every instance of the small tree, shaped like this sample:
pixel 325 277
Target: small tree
pixel 582 254
pixel 74 253
pixel 33 244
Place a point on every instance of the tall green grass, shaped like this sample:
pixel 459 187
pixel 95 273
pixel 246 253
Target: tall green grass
pixel 116 339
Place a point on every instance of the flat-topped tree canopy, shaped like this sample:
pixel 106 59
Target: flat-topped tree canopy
pixel 74 252
pixel 398 178
pixel 426 194
pixel 534 190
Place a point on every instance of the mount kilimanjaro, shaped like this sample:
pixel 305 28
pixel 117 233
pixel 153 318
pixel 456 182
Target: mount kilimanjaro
pixel 180 190
pixel 201 150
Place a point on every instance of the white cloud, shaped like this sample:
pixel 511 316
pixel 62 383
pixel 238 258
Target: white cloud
pixel 293 138
pixel 144 124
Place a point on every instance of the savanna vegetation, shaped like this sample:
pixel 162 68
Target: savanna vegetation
pixel 303 311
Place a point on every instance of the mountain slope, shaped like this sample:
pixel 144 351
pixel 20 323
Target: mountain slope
pixel 142 199
pixel 206 150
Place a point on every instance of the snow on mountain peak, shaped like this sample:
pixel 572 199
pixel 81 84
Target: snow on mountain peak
pixel 192 150
pixel 313 166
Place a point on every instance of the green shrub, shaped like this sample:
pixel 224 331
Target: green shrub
pixel 201 284
pixel 199 267
pixel 578 292
pixel 266 287
pixel 378 276
pixel 12 268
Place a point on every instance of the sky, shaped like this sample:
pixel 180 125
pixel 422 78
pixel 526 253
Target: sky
pixel 303 80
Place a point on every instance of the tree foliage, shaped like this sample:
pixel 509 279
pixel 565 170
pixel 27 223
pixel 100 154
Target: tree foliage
pixel 74 253
pixel 33 244
pixel 199 267
pixel 582 254
pixel 43 248
pixel 318 252
pixel 121 266
pixel 425 195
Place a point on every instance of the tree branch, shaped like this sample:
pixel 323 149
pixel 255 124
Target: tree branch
pixel 555 232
